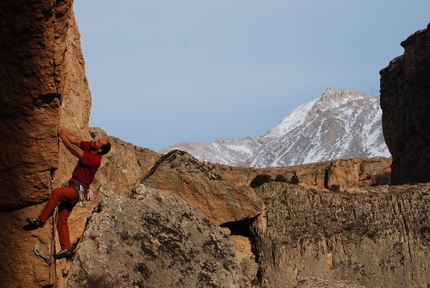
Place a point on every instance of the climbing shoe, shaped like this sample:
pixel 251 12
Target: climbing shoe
pixel 34 222
pixel 63 254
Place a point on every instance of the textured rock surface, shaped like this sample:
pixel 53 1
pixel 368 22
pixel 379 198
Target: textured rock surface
pixel 318 283
pixel 373 237
pixel 43 85
pixel 154 239
pixel 123 167
pixel 121 170
pixel 376 237
pixel 221 201
pixel 344 173
pixel 405 102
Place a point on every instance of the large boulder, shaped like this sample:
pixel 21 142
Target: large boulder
pixel 220 200
pixel 405 103
pixel 153 238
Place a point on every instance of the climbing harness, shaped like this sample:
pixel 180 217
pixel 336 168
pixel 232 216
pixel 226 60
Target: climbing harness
pixel 36 251
pixel 80 190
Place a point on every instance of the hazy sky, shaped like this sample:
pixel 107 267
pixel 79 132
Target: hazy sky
pixel 163 72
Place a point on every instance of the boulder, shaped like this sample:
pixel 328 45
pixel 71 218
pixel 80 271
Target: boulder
pixel 123 167
pixel 153 238
pixel 220 200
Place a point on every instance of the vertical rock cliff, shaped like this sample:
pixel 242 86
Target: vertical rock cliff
pixel 405 103
pixel 42 85
pixel 377 237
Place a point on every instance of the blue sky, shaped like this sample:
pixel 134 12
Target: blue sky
pixel 162 72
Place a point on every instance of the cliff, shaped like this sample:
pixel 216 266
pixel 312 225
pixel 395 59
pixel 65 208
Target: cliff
pixel 405 103
pixel 377 237
pixel 43 85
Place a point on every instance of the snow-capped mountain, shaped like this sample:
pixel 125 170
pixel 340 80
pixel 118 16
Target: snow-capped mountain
pixel 339 124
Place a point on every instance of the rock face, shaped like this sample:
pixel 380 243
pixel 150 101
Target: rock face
pixel 377 237
pixel 405 102
pixel 153 238
pixel 43 85
pixel 221 201
pixel 123 167
pixel 342 174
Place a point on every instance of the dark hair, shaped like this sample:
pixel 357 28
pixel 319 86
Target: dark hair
pixel 105 148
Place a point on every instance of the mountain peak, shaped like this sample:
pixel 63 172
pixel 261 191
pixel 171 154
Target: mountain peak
pixel 334 97
pixel 338 124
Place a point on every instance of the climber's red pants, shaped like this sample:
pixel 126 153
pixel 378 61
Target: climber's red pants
pixel 67 198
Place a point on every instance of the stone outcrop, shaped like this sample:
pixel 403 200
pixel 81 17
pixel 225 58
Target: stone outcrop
pixel 153 238
pixel 221 201
pixel 342 174
pixel 123 167
pixel 375 237
pixel 405 103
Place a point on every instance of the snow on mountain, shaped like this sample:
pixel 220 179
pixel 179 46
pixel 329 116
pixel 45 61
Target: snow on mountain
pixel 234 152
pixel 339 124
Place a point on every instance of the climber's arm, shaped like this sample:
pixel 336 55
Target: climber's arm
pixel 71 142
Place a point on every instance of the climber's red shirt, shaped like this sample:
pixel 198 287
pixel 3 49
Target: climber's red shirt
pixel 86 168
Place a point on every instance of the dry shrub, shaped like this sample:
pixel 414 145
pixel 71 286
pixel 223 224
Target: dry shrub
pixel 260 180
pixel 281 178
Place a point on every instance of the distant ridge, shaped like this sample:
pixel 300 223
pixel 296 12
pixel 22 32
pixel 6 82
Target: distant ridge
pixel 339 124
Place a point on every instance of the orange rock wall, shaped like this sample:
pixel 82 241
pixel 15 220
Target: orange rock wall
pixel 42 85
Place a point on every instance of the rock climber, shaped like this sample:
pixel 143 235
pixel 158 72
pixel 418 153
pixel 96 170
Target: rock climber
pixel 76 189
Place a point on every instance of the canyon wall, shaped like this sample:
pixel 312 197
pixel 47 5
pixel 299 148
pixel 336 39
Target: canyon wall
pixel 405 103
pixel 374 236
pixel 43 84
pixel 336 222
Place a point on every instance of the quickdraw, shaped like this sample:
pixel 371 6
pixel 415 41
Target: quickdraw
pixel 82 195
pixel 36 251
pixel 80 190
